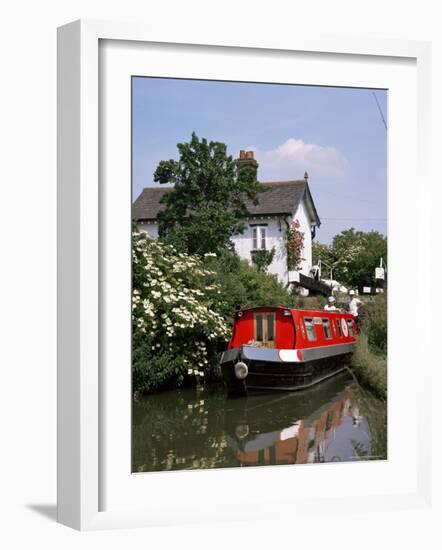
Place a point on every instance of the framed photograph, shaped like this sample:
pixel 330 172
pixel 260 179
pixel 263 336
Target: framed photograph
pixel 231 319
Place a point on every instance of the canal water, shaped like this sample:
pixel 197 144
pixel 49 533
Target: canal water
pixel 335 421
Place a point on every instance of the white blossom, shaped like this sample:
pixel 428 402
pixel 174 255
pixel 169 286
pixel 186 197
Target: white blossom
pixel 174 301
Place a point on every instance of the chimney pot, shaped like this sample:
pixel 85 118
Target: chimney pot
pixel 247 160
pixel 305 176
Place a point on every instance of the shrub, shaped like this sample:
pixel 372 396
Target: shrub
pixel 308 302
pixel 242 285
pixel 263 258
pixel 374 322
pixel 177 329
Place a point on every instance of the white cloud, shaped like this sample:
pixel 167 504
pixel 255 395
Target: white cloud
pixel 291 159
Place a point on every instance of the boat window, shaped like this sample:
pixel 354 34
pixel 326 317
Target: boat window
pixel 270 327
pixel 265 329
pixel 338 327
pixel 310 329
pixel 327 330
pixel 258 328
pixel 351 332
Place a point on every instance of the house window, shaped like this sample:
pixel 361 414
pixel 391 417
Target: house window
pixel 310 329
pixel 327 330
pixel 259 237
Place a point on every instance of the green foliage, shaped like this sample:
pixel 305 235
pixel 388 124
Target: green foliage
pixel 369 360
pixel 322 252
pixel 207 205
pixel 263 258
pixel 242 285
pixel 182 311
pixel 308 302
pixel 177 329
pixel 354 255
pixel 374 315
pixel 153 372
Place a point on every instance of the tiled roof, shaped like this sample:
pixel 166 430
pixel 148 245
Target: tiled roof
pixel 147 205
pixel 282 197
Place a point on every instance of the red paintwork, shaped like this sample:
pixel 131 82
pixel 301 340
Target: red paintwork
pixel 290 332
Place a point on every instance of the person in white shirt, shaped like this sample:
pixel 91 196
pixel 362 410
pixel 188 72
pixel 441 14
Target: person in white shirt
pixel 354 305
pixel 330 305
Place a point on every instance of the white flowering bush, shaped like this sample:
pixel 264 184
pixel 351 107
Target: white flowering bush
pixel 177 331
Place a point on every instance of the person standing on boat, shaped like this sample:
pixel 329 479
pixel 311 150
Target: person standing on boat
pixel 353 307
pixel 330 305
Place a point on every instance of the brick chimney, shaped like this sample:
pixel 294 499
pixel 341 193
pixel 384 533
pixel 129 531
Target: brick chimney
pixel 247 161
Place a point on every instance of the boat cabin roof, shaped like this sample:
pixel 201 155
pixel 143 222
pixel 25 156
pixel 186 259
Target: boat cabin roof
pixel 294 310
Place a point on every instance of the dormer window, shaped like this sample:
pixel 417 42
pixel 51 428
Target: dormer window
pixel 259 237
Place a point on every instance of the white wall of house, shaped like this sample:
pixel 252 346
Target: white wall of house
pixel 149 227
pixel 274 238
pixel 275 232
pixel 305 227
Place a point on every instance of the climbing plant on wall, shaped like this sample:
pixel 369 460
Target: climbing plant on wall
pixel 294 240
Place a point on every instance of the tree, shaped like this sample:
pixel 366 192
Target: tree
pixel 358 255
pixel 354 255
pixel 243 286
pixel 322 252
pixel 208 203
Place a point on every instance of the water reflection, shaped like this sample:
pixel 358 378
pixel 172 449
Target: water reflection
pixel 188 429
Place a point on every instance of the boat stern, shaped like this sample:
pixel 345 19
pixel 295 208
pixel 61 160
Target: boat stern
pixel 234 369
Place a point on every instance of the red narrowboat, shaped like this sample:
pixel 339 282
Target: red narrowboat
pixel 276 348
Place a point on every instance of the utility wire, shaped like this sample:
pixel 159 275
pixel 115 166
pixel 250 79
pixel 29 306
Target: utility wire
pixel 340 196
pixel 380 110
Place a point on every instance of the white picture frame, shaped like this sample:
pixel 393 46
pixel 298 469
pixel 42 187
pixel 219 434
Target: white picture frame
pixel 80 294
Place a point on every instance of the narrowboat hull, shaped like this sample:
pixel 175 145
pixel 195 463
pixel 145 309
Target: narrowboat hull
pixel 282 370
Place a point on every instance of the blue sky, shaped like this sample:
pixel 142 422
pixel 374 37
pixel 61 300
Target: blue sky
pixel 336 134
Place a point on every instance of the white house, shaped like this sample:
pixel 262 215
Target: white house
pixel 267 223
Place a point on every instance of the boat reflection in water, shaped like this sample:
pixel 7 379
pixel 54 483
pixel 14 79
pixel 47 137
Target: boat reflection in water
pixel 333 421
pixel 333 432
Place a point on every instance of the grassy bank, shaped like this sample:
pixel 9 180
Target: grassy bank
pixel 369 361
pixel 369 368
